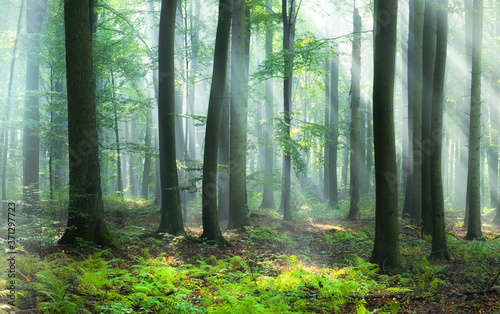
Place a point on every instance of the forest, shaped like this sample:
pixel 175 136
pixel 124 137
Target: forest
pixel 250 156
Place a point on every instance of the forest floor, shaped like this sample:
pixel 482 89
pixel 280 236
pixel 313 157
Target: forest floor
pixel 317 263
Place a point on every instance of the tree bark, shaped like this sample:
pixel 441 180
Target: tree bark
pixel 334 131
pixel 211 229
pixel 85 216
pixel 355 107
pixel 416 207
pixel 171 213
pixel 268 194
pixel 386 247
pixel 429 57
pixel 238 217
pixel 35 14
pixel 473 174
pixel 147 158
pixel 439 246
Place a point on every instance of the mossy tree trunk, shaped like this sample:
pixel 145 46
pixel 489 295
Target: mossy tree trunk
pixel 85 214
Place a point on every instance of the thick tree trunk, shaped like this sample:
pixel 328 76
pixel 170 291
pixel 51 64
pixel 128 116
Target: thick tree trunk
pixel 238 217
pixel 85 216
pixel 439 247
pixel 211 229
pixel 171 212
pixel 418 27
pixel 473 175
pixel 429 57
pixel 355 107
pixel 386 247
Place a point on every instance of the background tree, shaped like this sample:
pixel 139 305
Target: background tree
pixel 473 174
pixel 355 108
pixel 386 247
pixel 35 14
pixel 237 158
pixel 85 213
pixel 334 130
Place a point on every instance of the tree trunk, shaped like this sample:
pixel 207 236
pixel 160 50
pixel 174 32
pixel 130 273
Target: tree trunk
pixel 211 229
pixel 355 104
pixel 418 19
pixel 334 131
pixel 408 82
pixel 386 247
pixel 326 152
pixel 268 194
pixel 35 13
pixel 473 174
pixel 147 158
pixel 85 216
pixel 429 57
pixel 439 247
pixel 288 20
pixel 223 173
pixel 171 212
pixel 237 164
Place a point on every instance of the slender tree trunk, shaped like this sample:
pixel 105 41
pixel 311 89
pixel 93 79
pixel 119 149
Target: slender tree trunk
pixel 416 208
pixel 473 175
pixel 326 171
pixel 119 182
pixel 268 194
pixel 369 142
pixel 408 82
pixel 147 158
pixel 429 57
pixel 334 131
pixel 211 229
pixel 288 32
pixel 237 164
pixel 171 212
pixel 85 216
pixel 386 247
pixel 355 108
pixel 439 247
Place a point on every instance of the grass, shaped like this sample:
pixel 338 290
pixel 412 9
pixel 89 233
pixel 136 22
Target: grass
pixel 317 263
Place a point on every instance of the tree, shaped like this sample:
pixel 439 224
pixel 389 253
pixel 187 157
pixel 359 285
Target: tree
pixel 355 107
pixel 237 158
pixel 85 213
pixel 171 211
pixel 147 159
pixel 267 194
pixel 334 131
pixel 386 247
pixel 418 20
pixel 288 16
pixel 35 13
pixel 211 229
pixel 429 57
pixel 439 247
pixel 473 173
